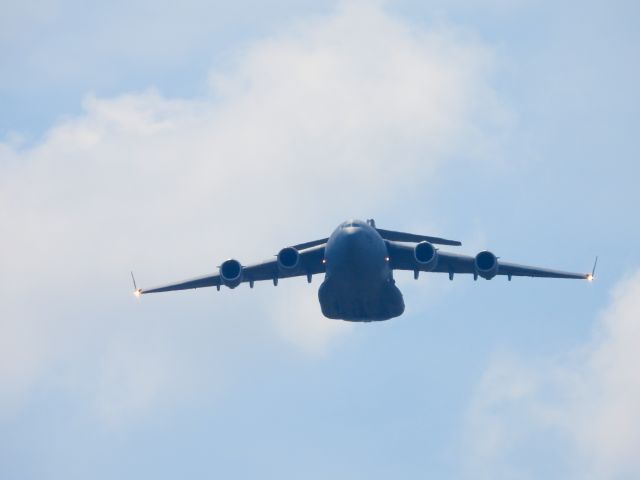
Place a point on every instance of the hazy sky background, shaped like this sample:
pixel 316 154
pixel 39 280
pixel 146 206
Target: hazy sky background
pixel 166 138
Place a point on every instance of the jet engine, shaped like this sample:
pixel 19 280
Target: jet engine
pixel 486 265
pixel 426 256
pixel 288 258
pixel 231 273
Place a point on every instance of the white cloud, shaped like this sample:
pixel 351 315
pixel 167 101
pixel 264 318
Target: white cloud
pixel 332 117
pixel 584 404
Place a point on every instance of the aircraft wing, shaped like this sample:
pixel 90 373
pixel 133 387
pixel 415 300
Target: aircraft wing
pixel 402 258
pixel 310 263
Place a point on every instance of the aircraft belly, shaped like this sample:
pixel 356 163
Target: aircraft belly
pixel 360 303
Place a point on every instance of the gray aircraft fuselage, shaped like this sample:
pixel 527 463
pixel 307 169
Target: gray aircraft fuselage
pixel 358 284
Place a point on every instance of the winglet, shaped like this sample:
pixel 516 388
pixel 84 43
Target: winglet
pixel 592 275
pixel 136 291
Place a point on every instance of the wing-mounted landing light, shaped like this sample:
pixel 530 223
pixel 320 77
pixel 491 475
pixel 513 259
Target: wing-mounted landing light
pixel 136 291
pixel 592 275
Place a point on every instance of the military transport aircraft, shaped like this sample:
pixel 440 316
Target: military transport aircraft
pixel 358 261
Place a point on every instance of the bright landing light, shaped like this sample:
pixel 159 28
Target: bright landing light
pixel 137 293
pixel 590 277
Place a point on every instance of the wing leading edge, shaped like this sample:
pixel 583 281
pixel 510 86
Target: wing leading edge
pixel 310 263
pixel 401 247
pixel 402 258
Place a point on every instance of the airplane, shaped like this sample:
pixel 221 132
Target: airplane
pixel 358 261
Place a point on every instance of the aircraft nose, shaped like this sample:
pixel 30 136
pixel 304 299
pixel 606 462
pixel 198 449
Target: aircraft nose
pixel 352 244
pixel 352 235
pixel 353 255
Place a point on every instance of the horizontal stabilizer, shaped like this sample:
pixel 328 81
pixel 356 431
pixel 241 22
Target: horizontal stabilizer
pixel 314 243
pixel 412 237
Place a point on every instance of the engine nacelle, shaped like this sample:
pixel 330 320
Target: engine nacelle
pixel 426 256
pixel 231 273
pixel 288 259
pixel 486 265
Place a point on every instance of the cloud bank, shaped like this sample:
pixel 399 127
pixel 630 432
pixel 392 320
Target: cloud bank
pixel 580 409
pixel 308 127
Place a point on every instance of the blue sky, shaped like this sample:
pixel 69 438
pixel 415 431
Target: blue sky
pixel 171 137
